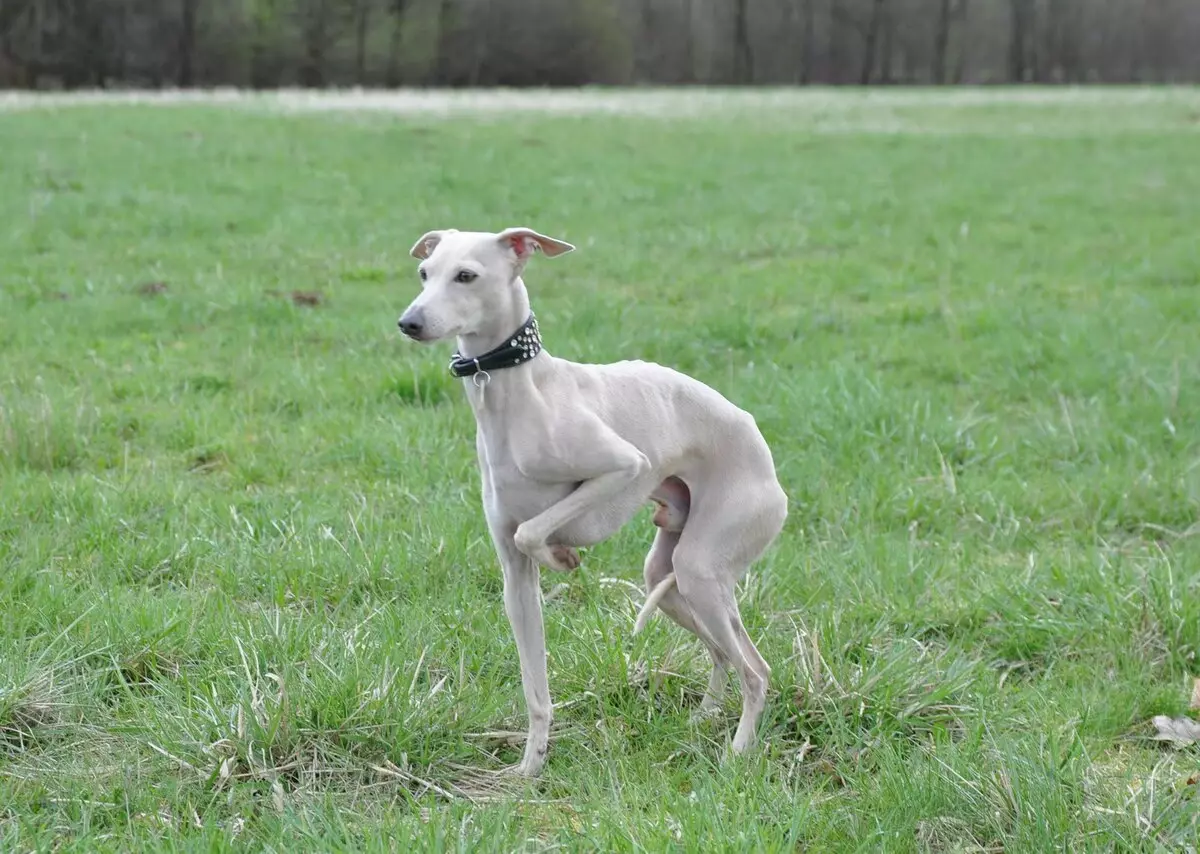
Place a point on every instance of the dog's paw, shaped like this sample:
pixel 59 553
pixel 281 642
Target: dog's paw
pixel 565 558
pixel 526 769
pixel 701 714
pixel 532 762
pixel 559 557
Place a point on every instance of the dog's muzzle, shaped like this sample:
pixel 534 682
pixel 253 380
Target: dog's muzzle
pixel 412 323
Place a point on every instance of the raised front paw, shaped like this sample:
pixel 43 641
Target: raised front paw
pixel 559 557
pixel 565 558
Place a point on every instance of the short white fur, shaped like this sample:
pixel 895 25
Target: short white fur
pixel 569 452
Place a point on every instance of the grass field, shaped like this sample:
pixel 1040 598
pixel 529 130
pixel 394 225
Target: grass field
pixel 247 594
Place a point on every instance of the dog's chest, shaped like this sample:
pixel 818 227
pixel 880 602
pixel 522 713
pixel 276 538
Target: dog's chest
pixel 514 492
pixel 518 496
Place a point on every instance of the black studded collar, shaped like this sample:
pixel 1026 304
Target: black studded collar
pixel 516 349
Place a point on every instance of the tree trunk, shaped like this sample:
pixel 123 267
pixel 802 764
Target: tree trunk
pixel 836 63
pixel 689 60
pixel 441 67
pixel 263 58
pixel 1018 51
pixel 1016 43
pixel 743 58
pixel 118 48
pixel 941 41
pixel 312 72
pixel 810 42
pixel 20 64
pixel 1064 46
pixel 362 12
pixel 889 39
pixel 90 22
pixel 1036 59
pixel 870 41
pixel 479 35
pixel 393 67
pixel 960 65
pixel 187 43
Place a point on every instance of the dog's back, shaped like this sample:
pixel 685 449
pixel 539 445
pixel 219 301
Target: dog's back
pixel 641 400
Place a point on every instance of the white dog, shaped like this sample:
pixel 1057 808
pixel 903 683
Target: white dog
pixel 568 453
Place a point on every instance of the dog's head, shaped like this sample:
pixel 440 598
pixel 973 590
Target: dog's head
pixel 470 281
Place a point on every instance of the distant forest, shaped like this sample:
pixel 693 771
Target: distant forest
pixel 377 43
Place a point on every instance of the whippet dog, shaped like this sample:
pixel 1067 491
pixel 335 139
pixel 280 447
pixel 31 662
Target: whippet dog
pixel 569 452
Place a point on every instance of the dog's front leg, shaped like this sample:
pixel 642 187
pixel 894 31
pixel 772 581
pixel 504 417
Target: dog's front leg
pixel 605 466
pixel 523 604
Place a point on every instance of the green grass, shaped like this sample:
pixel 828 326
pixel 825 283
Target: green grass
pixel 243 565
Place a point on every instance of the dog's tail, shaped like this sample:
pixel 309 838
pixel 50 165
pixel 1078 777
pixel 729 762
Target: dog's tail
pixel 660 590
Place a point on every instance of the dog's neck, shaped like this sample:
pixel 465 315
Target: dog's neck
pixel 520 346
pixel 496 330
pixel 503 391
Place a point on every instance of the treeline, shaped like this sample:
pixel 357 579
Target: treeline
pixel 271 43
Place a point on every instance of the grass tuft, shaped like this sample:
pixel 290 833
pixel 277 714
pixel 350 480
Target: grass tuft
pixel 33 710
pixel 43 435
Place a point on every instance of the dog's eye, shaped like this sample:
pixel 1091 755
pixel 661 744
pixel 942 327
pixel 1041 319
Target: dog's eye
pixel 465 277
pixel 421 272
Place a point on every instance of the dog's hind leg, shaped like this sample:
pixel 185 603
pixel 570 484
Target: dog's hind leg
pixel 661 592
pixel 723 537
pixel 710 599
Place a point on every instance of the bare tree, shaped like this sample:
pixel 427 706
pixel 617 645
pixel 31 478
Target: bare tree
pixel 392 78
pixel 810 41
pixel 871 38
pixel 265 20
pixel 888 46
pixel 941 41
pixel 960 64
pixel 689 59
pixel 802 14
pixel 266 43
pixel 187 41
pixel 316 23
pixel 1064 28
pixel 362 14
pixel 743 56
pixel 1023 23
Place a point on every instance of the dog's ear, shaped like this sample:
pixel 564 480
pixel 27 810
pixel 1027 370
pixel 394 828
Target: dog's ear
pixel 525 241
pixel 424 247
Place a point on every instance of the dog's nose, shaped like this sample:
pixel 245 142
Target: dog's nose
pixel 412 324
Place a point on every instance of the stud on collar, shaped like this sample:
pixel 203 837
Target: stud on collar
pixel 515 350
